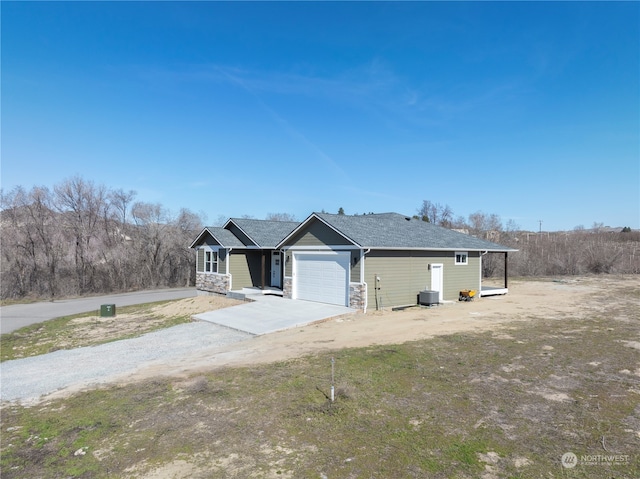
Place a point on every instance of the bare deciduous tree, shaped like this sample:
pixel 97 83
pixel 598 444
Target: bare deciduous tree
pixel 280 217
pixel 82 238
pixel 82 204
pixel 563 253
pixel 151 221
pixel 436 213
pixel 484 225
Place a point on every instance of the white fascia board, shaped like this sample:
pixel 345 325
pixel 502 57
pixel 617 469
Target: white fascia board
pixel 390 248
pixel 319 248
pixel 320 253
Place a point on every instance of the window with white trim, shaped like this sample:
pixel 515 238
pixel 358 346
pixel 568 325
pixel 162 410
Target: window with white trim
pixel 462 257
pixel 210 261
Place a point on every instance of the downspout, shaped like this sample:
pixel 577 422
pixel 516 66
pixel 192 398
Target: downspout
pixel 366 296
pixel 282 266
pixel 227 269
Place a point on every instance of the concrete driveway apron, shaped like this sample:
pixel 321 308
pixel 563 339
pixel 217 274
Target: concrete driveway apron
pixel 267 314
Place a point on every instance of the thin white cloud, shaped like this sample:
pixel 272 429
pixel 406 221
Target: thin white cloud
pixel 372 90
pixel 287 127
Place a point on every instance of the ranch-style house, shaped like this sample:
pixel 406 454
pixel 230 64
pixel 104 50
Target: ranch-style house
pixel 361 261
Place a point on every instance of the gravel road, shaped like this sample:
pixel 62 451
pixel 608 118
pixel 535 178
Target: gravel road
pixel 26 380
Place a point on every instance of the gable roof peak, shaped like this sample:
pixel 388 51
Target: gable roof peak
pixel 263 233
pixel 220 235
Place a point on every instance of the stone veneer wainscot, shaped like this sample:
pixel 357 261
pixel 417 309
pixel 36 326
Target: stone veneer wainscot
pixel 357 296
pixel 213 282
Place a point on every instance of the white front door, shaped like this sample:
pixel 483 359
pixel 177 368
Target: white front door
pixel 437 283
pixel 276 269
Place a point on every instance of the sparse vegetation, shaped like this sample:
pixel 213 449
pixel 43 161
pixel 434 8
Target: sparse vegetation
pixel 85 329
pixel 505 403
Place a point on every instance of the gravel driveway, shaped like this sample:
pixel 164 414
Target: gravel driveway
pixel 26 380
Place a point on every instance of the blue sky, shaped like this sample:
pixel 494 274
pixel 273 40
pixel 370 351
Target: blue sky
pixel 529 110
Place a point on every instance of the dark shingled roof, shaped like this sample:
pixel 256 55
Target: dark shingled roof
pixel 225 237
pixel 265 233
pixel 385 230
pixel 393 230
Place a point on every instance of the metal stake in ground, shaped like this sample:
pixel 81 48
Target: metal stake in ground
pixel 332 375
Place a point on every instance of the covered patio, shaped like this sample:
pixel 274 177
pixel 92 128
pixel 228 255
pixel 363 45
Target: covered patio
pixel 497 290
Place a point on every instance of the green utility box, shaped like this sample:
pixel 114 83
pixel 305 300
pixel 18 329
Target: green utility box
pixel 107 310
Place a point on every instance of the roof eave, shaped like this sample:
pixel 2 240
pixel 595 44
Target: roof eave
pixel 462 248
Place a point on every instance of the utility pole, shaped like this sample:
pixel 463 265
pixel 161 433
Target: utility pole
pixel 540 221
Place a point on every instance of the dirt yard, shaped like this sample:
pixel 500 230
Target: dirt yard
pixel 547 298
pixel 96 328
pixel 503 386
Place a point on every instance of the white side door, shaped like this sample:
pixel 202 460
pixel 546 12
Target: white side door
pixel 437 281
pixel 276 269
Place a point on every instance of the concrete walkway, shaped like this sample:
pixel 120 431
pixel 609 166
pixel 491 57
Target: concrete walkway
pixel 267 314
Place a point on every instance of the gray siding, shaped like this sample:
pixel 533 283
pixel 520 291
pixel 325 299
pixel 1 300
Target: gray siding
pixel 355 268
pixel 459 277
pixel 317 234
pixel 222 261
pixel 245 268
pixel 403 274
pixel 288 264
pixel 200 260
pixel 239 270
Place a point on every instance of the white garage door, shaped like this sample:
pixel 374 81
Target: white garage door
pixel 322 277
